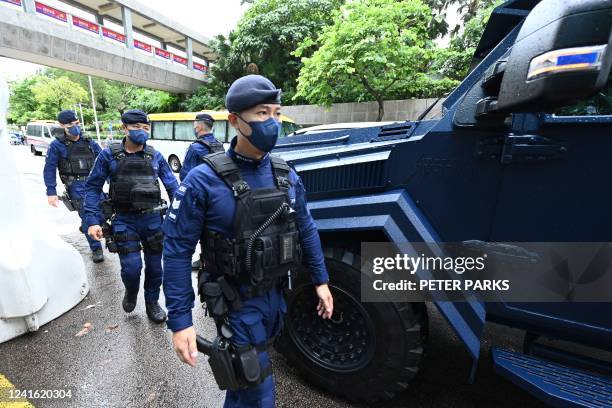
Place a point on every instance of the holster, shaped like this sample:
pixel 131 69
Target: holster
pixel 67 202
pixel 107 231
pixel 234 369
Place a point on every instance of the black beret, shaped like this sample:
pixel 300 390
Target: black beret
pixel 134 116
pixel 66 116
pixel 249 91
pixel 205 117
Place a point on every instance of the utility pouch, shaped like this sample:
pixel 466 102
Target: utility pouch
pixel 250 366
pixel 145 196
pixel 67 202
pixel 215 302
pixel 107 209
pixel 154 244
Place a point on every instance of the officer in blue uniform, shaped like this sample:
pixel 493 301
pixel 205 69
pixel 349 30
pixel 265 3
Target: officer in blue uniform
pixel 248 210
pixel 133 168
pixel 204 145
pixel 73 154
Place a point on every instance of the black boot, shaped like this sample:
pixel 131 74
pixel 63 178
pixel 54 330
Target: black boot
pixel 155 312
pixel 97 256
pixel 129 301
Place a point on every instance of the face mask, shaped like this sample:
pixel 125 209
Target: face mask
pixel 138 136
pixel 74 131
pixel 264 134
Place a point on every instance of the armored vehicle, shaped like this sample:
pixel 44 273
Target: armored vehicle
pixel 522 152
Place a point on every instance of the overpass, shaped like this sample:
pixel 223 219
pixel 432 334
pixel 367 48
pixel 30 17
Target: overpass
pixel 121 40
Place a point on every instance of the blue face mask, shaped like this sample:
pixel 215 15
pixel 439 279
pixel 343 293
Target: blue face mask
pixel 138 136
pixel 264 134
pixel 74 131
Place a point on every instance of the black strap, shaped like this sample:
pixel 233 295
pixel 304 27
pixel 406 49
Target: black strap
pixel 229 172
pixel 213 147
pixel 281 171
pixel 117 150
pixel 149 152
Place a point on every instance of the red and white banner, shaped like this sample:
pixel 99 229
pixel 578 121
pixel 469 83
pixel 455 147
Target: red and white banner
pixel 180 60
pixel 113 35
pixel 143 46
pixel 86 25
pixel 51 12
pixel 14 2
pixel 163 53
pixel 200 67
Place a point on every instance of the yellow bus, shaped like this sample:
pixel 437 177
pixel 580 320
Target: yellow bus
pixel 172 133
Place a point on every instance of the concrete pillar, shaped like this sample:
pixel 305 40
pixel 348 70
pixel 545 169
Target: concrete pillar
pixel 29 6
pixel 100 22
pixel 189 51
pixel 128 30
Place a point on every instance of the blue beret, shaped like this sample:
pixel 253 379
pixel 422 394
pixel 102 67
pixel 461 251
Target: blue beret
pixel 249 91
pixel 134 116
pixel 205 117
pixel 66 116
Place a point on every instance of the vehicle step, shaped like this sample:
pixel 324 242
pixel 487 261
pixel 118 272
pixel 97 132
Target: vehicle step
pixel 555 384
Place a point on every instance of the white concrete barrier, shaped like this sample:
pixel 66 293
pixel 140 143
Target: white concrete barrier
pixel 41 276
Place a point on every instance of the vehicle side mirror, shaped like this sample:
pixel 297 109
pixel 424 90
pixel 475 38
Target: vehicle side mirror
pixel 562 53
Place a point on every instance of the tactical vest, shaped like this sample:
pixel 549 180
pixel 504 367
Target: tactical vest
pixel 78 162
pixel 214 146
pixel 134 186
pixel 265 243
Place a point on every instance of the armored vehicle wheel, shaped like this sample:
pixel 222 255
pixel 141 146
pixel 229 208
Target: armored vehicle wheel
pixel 366 351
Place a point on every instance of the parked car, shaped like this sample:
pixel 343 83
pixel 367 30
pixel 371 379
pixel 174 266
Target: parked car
pixel 39 134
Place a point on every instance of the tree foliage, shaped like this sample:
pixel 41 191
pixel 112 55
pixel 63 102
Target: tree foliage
pixel 266 35
pixel 373 50
pixel 51 90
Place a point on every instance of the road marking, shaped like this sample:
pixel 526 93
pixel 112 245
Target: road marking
pixel 5 386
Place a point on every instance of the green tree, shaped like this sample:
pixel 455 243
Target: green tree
pixel 454 62
pixel 373 48
pixel 266 36
pixel 22 103
pixel 55 94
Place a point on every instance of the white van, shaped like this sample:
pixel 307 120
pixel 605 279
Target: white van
pixel 39 135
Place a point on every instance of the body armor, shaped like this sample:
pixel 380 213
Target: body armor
pixel 214 146
pixel 265 243
pixel 134 186
pixel 78 163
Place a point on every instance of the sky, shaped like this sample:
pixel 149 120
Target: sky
pixel 207 17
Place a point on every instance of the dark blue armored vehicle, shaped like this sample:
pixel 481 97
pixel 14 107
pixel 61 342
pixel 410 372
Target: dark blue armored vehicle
pixel 522 153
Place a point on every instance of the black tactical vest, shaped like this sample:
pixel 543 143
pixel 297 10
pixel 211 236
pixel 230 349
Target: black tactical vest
pixel 214 146
pixel 265 245
pixel 78 162
pixel 134 186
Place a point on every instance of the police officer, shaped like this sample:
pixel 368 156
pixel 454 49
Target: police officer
pixel 133 168
pixel 204 145
pixel 73 154
pixel 249 203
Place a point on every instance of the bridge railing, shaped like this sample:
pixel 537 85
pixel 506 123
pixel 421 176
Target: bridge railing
pixel 106 33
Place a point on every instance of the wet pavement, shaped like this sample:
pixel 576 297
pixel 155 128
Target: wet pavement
pixel 124 360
